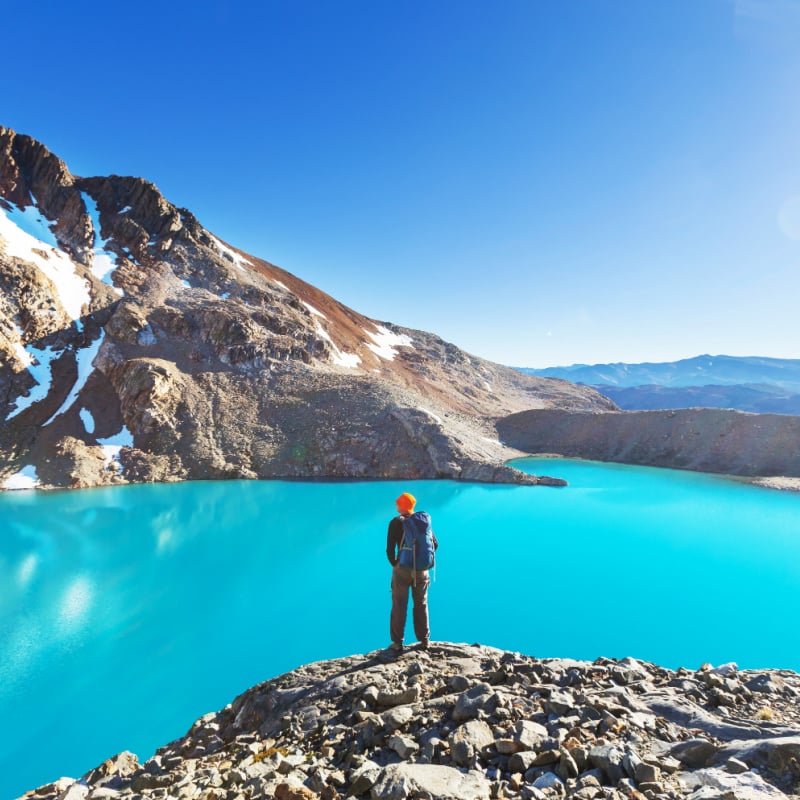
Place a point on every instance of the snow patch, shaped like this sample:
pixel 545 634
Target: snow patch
pixel 85 357
pixel 432 415
pixel 71 288
pixel 224 295
pixel 282 285
pixel 322 333
pixel 492 441
pixel 124 210
pixel 385 342
pixel 350 360
pixel 39 368
pixel 313 310
pixel 186 283
pixel 339 358
pixel 113 444
pixel 238 261
pixel 26 478
pixel 24 357
pixel 103 264
pixel 31 220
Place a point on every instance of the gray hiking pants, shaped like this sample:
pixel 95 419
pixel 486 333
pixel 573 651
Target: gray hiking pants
pixel 402 581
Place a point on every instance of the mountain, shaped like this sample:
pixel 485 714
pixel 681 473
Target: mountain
pixel 753 384
pixel 756 399
pixel 698 371
pixel 137 346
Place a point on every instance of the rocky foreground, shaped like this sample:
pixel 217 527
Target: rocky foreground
pixel 470 722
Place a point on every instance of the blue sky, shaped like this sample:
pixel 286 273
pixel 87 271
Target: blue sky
pixel 541 182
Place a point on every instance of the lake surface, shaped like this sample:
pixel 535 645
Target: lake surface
pixel 127 613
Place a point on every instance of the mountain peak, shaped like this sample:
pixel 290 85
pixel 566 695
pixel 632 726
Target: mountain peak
pixel 137 345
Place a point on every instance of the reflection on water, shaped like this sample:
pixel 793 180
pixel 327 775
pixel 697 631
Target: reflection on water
pixel 127 613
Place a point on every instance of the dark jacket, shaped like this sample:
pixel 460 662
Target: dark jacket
pixel 395 537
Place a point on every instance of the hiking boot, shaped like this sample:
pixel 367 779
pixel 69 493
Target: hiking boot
pixel 396 646
pixel 423 644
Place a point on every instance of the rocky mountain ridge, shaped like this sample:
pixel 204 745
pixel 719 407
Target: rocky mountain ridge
pixel 137 346
pixel 701 439
pixel 461 722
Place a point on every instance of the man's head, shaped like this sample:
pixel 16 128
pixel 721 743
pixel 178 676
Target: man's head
pixel 405 503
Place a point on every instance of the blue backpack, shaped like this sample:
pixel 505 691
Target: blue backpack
pixel 416 546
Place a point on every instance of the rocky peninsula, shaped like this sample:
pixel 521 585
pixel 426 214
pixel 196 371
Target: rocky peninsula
pixel 765 447
pixel 469 722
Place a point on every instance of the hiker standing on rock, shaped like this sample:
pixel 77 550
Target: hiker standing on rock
pixel 410 547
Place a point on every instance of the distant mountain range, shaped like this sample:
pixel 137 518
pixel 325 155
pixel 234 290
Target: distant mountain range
pixel 754 384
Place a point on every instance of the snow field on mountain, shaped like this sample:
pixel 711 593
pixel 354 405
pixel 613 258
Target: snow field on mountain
pixel 38 364
pixel 103 265
pixel 72 289
pixel 385 342
pixel 26 478
pixel 85 356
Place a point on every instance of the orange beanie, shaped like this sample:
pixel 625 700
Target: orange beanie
pixel 406 503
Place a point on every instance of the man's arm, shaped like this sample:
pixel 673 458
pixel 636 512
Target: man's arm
pixel 393 538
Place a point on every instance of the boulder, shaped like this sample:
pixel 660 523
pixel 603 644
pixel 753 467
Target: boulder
pixel 480 698
pixel 469 739
pixel 401 781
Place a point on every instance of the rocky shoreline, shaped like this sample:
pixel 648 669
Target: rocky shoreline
pixel 467 722
pixel 764 448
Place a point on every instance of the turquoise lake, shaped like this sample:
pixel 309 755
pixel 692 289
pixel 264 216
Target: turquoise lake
pixel 126 613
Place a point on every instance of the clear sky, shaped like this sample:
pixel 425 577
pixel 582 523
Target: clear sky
pixel 541 182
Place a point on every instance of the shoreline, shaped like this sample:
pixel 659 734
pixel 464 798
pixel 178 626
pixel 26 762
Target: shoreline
pixel 785 483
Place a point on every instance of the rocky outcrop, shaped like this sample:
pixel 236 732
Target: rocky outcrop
pixel 459 722
pixel 125 324
pixel 707 440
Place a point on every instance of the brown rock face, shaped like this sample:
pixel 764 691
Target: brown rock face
pixel 702 439
pixel 201 361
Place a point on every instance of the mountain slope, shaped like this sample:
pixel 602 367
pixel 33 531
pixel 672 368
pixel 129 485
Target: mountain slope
pixel 137 346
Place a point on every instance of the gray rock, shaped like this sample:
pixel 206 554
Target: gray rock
pixel 481 697
pixel 469 739
pixel 694 753
pixel 521 762
pixel 646 773
pixel 399 781
pixel 529 734
pixel 560 703
pixel 75 791
pixel 715 784
pixel 777 754
pixel 735 767
pixel 549 781
pixel 397 717
pixel 398 698
pixel 567 766
pixel 766 683
pixel 364 778
pixel 608 758
pixel 404 746
pixel 370 695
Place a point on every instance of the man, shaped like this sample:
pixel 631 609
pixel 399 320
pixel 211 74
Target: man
pixel 410 545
